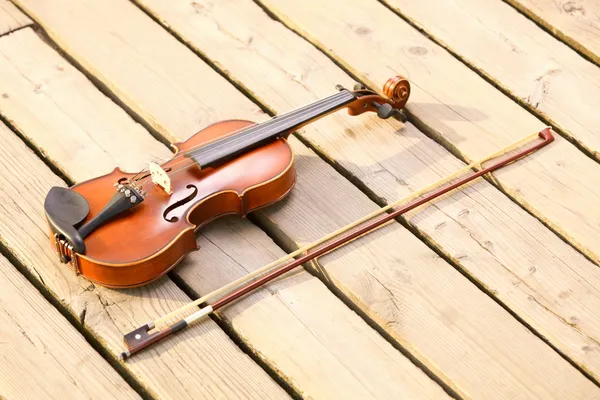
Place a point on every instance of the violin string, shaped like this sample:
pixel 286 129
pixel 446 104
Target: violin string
pixel 250 128
pixel 280 121
pixel 323 106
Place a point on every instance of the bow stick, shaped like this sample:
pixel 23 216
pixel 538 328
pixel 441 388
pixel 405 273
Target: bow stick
pixel 140 338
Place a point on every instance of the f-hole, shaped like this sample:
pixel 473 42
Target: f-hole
pixel 179 203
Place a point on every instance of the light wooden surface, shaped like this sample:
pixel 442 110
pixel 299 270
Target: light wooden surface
pixel 39 343
pixel 418 299
pixel 577 22
pixel 108 314
pixel 546 282
pixel 529 63
pixel 377 291
pixel 296 343
pixel 91 128
pixel 148 69
pixel 302 333
pixel 459 108
pixel 11 18
pixel 297 326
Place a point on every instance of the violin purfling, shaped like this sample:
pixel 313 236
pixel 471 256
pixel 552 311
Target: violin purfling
pixel 127 229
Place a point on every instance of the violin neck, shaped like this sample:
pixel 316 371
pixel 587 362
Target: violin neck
pixel 279 126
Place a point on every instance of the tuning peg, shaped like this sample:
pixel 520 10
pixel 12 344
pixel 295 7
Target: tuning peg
pixel 359 86
pixel 384 111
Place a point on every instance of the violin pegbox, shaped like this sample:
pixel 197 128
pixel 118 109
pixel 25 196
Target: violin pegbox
pixel 396 92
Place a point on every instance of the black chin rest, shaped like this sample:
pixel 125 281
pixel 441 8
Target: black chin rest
pixel 65 209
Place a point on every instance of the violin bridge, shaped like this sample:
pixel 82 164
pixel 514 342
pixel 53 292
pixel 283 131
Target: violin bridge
pixel 160 177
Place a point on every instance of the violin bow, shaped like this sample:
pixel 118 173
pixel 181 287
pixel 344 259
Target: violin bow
pixel 141 337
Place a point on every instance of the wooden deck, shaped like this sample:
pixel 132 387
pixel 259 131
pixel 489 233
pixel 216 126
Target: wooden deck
pixel 491 293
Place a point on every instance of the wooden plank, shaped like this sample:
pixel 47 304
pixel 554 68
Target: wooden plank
pixel 432 310
pixel 504 257
pixel 548 77
pixel 104 313
pixel 420 300
pixel 42 355
pixel 574 22
pixel 150 78
pixel 459 108
pixel 11 18
pixel 298 326
pixel 275 324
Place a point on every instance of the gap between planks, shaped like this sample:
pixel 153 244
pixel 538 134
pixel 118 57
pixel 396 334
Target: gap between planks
pixel 38 283
pixel 546 25
pixel 332 162
pixel 492 81
pixel 415 369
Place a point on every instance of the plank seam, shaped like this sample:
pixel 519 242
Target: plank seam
pixel 575 45
pixel 496 84
pixel 433 135
pixel 228 328
pixel 31 145
pixel 79 326
pixel 80 323
pixel 138 119
pixel 98 84
pixel 287 244
pixel 16 29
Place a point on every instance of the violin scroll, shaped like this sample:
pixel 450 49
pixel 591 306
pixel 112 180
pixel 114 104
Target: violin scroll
pixel 397 89
pixel 396 92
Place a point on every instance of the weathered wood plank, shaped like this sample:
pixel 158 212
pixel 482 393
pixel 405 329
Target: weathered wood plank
pixel 179 368
pixel 278 324
pixel 432 310
pixel 423 303
pixel 458 107
pixel 11 17
pixel 167 90
pixel 575 22
pixel 41 354
pixel 547 76
pixel 546 282
pixel 297 325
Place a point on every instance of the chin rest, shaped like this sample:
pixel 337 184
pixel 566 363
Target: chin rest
pixel 65 209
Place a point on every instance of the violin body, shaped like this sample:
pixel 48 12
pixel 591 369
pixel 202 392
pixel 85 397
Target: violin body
pixel 144 243
pixel 127 229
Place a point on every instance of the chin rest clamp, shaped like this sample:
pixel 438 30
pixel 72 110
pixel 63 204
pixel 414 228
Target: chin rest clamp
pixel 66 253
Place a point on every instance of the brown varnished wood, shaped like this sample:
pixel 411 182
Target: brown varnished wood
pixel 140 245
pixel 144 243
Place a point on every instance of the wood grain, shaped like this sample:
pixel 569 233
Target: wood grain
pixel 296 324
pixel 416 297
pixel 541 72
pixel 539 276
pixel 576 22
pixel 280 324
pixel 427 306
pixel 460 109
pixel 37 342
pixel 11 18
pixel 41 80
pixel 108 314
pixel 167 88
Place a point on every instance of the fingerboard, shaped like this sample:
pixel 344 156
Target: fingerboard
pixel 231 146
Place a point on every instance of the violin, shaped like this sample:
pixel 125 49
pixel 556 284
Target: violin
pixel 124 230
